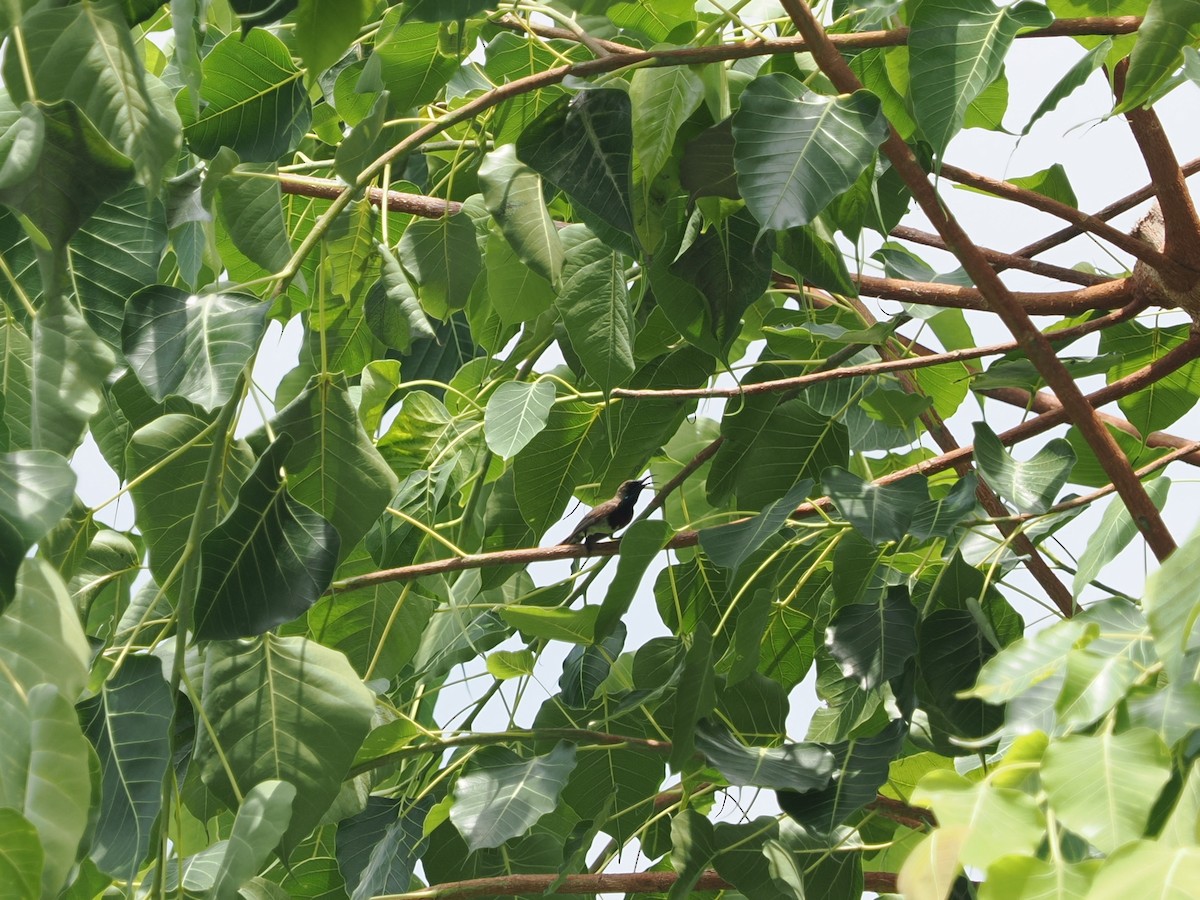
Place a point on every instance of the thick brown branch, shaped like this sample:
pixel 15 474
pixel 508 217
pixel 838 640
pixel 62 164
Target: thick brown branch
pixel 1033 342
pixel 588 885
pixel 917 818
pixel 1174 199
pixel 1001 261
pixel 1108 295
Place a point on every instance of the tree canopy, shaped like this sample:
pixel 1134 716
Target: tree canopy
pixel 535 250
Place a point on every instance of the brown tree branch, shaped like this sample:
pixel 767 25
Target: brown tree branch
pixel 1001 261
pixel 589 885
pixel 1033 342
pixel 1132 245
pixel 1109 295
pixel 1124 204
pixel 917 818
pixel 1174 199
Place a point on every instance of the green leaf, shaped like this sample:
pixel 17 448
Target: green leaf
pixel 325 32
pixel 860 769
pixel 268 561
pixel 129 724
pixel 575 626
pixel 640 544
pixel 172 452
pixel 261 822
pixel 952 646
pixel 76 171
pixel 730 267
pixel 546 471
pixel 694 698
pixel 595 308
pixel 586 667
pixel 691 851
pixel 393 313
pixel 334 468
pixel 1027 662
pixel 281 708
pixel 442 258
pixel 730 545
pixel 956 49
pixel 1093 686
pixel 515 293
pixel 193 346
pixel 872 642
pixel 1104 786
pixel 85 54
pixel 1146 868
pixel 505 664
pixel 254 100
pixel 1051 182
pixel 21 142
pixel 1169 398
pixel 1075 78
pixel 501 796
pixel 513 194
pixel 250 204
pixel 938 518
pixel 69 367
pixel 881 513
pixel 770 446
pixel 662 100
pixel 515 413
pixel 1171 607
pixel 409 61
pixel 812 255
pixel 1112 535
pixel 796 150
pixel 378 849
pixel 16 378
pixel 996 821
pixel 655 20
pixel 1169 26
pixel 583 145
pixel 1031 486
pixel 45 775
pixel 37 488
pixel 21 857
pixel 1027 876
pixel 41 640
pixel 797 767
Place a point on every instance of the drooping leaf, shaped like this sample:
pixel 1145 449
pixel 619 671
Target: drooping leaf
pixel 583 145
pixel 36 490
pixel 392 311
pixel 443 259
pixel 662 99
pixel 250 205
pixel 21 861
pixel 286 709
pixel 1071 81
pixel 268 561
pixel 640 544
pixel 69 367
pixel 41 640
pixel 501 796
pixel 377 849
pixel 695 697
pixel 325 32
pixel 872 642
pixel 261 821
pixel 1169 26
pixel 193 346
pixel 334 467
pixel 1112 535
pixel 956 50
pixel 595 307
pixel 513 194
pixel 129 724
pixel 796 150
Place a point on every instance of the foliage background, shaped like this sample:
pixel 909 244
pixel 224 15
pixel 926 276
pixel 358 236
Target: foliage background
pixel 257 687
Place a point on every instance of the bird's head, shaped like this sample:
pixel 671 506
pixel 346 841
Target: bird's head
pixel 629 490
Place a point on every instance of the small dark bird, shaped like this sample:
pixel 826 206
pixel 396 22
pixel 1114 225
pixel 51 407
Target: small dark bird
pixel 610 516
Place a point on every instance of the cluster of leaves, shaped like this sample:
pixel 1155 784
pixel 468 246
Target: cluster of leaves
pixel 246 692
